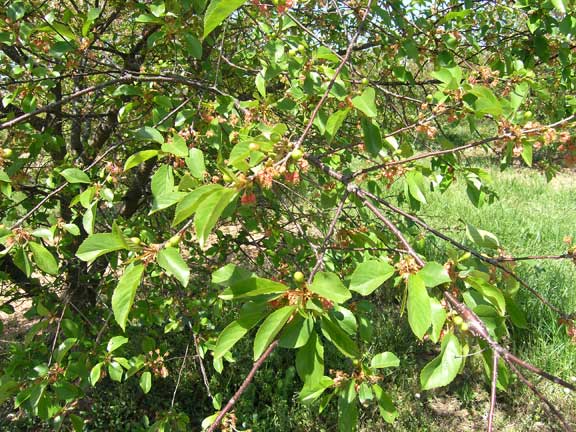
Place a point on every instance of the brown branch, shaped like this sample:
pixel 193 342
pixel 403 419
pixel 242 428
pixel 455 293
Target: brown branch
pixel 257 364
pixel 64 100
pixel 426 155
pixel 495 358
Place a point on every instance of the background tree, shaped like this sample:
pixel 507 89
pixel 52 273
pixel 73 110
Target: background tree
pixel 215 172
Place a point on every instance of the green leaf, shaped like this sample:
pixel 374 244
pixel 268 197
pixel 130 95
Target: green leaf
pixel 43 258
pixel 217 12
pixel 100 244
pixel 116 342
pixel 310 393
pixel 434 274
pixel 115 371
pixel 443 369
pixel 250 314
pixel 74 175
pixel 344 318
pixel 450 77
pixel 438 319
pixel 369 275
pixel 89 218
pixel 527 153
pixel 339 338
pixel 387 409
pixel 148 133
pixel 63 348
pixel 329 285
pixel 72 229
pixel 194 45
pixel 334 123
pixel 207 215
pixel 137 158
pixel 16 10
pixel 347 407
pixel 366 102
pixel 23 262
pixel 128 90
pixel 252 287
pixel 270 328
pixel 230 274
pixel 146 382
pixel 489 292
pixel 176 146
pixel 415 182
pixel 195 163
pixel 162 182
pixel 482 238
pixel 365 393
pixel 517 315
pixel 95 373
pixel 518 95
pixel 487 102
pixel 384 360
pixel 171 261
pixel 162 202
pixel 559 5
pixel 372 136
pixel 310 361
pixel 297 332
pixel 124 294
pixel 418 304
pixel 260 82
pixel 188 206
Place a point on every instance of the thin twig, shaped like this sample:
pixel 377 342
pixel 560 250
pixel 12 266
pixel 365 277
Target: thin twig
pixel 58 189
pixel 202 369
pixel 180 375
pixel 55 340
pixel 257 364
pixel 320 255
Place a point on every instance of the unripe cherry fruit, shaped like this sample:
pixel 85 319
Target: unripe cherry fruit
pixel 226 178
pixel 458 320
pixel 296 154
pixel 135 240
pixel 7 152
pixel 528 115
pixel 254 146
pixel 429 98
pixel 173 241
pixel 464 327
pixel 298 277
pixel 365 81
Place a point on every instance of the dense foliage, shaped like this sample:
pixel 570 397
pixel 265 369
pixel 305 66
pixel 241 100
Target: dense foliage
pixel 227 171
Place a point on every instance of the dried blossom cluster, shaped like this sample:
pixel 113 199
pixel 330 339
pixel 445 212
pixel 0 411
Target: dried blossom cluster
pixel 156 363
pixel 407 266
